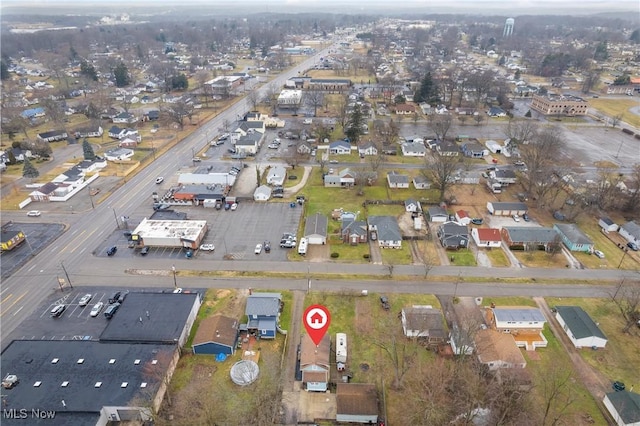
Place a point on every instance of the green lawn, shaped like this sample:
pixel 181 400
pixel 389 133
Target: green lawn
pixel 397 256
pixel 497 257
pixel 462 257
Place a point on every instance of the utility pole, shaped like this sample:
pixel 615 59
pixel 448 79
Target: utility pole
pixel 116 217
pixel 66 274
pixel 173 269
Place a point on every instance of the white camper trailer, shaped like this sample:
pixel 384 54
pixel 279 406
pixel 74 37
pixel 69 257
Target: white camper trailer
pixel 341 347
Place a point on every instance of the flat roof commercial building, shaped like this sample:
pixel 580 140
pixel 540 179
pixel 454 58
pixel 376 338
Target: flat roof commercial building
pixel 559 105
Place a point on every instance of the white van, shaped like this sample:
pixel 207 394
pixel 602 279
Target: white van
pixel 302 248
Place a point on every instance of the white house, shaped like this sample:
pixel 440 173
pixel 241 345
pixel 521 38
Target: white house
pixel 412 149
pixel 630 231
pixel 494 146
pixel 462 217
pixel 315 229
pixel 386 231
pixel 397 180
pixel 340 148
pixel 607 225
pixel 486 237
pixel 421 182
pixel 367 148
pixel 119 154
pixel 262 193
pixel 580 328
pixel 276 175
pixel 624 407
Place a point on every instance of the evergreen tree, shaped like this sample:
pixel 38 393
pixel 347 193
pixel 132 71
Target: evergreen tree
pixel 88 70
pixel 353 129
pixel 428 91
pixel 635 37
pixel 28 171
pixel 180 82
pixel 87 150
pixel 121 74
pixel 12 158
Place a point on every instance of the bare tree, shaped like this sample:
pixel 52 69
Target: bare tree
pixel 481 83
pixel 202 77
pixel 520 131
pixel 177 112
pixel 615 120
pixel 632 202
pixel 440 170
pixel 626 297
pixel 253 99
pixel 316 99
pixel 398 350
pixel 556 386
pixel 440 124
pixel 541 155
pixel 271 97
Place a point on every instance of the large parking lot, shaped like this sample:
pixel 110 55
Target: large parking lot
pixel 233 233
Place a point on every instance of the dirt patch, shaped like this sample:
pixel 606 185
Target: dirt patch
pixel 406 224
pixel 363 316
pixel 318 253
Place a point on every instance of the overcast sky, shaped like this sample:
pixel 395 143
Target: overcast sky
pixel 508 7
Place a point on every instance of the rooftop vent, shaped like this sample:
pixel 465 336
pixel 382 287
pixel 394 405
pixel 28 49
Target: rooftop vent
pixel 64 384
pixel 112 361
pixel 124 384
pixel 154 362
pixel 54 361
pixel 136 362
pixel 80 360
pixel 37 384
pixel 143 384
pixel 97 385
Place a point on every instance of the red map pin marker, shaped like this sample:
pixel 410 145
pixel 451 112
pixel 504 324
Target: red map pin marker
pixel 316 320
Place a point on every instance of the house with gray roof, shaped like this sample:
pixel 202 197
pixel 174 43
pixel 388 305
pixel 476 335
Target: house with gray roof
pixel 249 143
pixel 421 182
pixel 580 328
pixel 630 231
pixel 503 176
pixel 573 238
pixel 340 147
pixel 437 214
pixel 414 149
pixel 529 237
pixel 523 322
pixel 263 314
pixel 354 231
pixel 452 235
pixel 386 231
pixel 397 180
pixel 423 321
pixel 276 175
pixel 345 178
pixel 315 229
pixel 624 407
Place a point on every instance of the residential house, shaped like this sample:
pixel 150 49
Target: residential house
pixel 624 407
pixel 580 328
pixel 303 149
pixel 344 179
pixel 437 214
pixel 246 127
pixel 497 208
pixel 453 235
pixel 386 231
pixel 405 109
pixel 116 132
pixel 524 323
pixel 119 154
pixel 494 186
pixel 356 403
pixel 411 205
pixel 53 136
pixel 276 176
pixel 89 132
pixel 468 178
pixel 573 238
pixel 50 191
pixel 217 334
pixel 486 237
pixel 367 148
pixel 125 117
pixel 494 146
pixel 32 113
pixel 530 238
pixel 496 112
pixel 474 150
pixel 630 231
pixel 462 217
pixel 423 322
pixel 353 231
pixel 413 149
pixel 504 177
pixel 315 363
pixel 397 180
pixel 20 154
pixel 263 314
pixel 341 147
pixel 249 144
pixel 448 149
pixel 262 193
pixel 607 225
pixel 11 239
pixel 128 143
pixel 498 350
pixel 421 182
pixel 315 229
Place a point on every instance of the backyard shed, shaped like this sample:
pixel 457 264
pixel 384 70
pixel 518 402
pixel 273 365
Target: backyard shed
pixel 580 328
pixel 506 208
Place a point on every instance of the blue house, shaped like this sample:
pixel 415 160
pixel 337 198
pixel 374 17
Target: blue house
pixel 33 113
pixel 263 314
pixel 216 335
pixel 573 237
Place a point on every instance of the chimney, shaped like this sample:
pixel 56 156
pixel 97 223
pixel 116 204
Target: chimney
pixel 217 333
pixel 250 291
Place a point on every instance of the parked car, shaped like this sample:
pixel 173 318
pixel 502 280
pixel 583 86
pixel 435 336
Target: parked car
pixel 84 300
pixel 333 161
pixel 477 221
pixel 267 246
pixel 122 297
pixel 618 386
pixel 159 180
pixel 114 297
pixel 144 251
pixel 58 310
pixel 34 213
pixel 177 290
pixel 112 250
pixel 234 206
pixel 293 177
pixel 111 310
pixel 207 247
pixel 526 217
pixel 196 159
pixel 516 218
pixel 633 246
pixel 273 146
pixel 258 249
pixel 598 254
pixel 95 311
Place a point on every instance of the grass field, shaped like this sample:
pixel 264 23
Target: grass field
pixel 497 257
pixel 620 106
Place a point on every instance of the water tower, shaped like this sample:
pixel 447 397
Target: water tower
pixel 508 27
